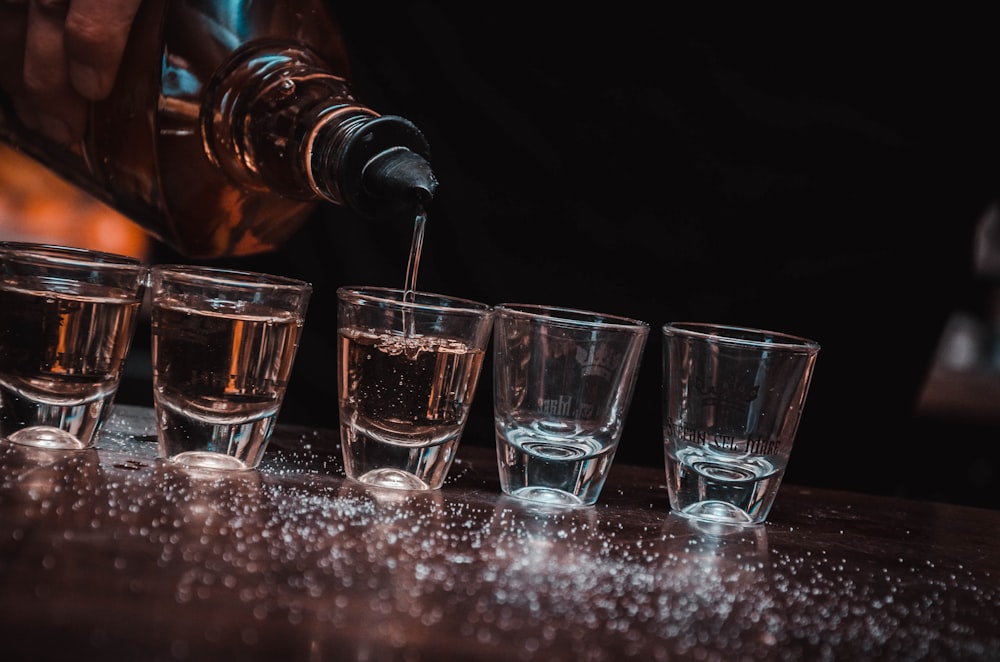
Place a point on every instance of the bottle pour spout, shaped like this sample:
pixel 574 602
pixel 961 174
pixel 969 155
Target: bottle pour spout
pixel 385 170
pixel 400 178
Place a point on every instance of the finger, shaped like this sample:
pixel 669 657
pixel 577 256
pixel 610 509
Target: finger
pixel 44 56
pixel 59 111
pixel 95 38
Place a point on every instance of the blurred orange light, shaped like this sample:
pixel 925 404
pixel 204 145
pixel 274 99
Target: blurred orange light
pixel 37 205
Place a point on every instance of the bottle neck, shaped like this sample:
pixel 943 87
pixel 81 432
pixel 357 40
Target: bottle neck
pixel 277 120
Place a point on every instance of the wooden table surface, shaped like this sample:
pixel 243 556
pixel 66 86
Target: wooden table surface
pixel 109 554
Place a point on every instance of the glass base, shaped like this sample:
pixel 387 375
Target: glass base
pixel 548 496
pixel 717 512
pixel 209 460
pixel 45 436
pixel 393 479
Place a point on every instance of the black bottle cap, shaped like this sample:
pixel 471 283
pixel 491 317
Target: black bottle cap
pixel 385 172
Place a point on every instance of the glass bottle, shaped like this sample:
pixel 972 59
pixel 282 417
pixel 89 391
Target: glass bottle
pixel 229 122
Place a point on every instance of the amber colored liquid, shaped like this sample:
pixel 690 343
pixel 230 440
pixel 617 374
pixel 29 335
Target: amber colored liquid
pixel 404 401
pixel 219 378
pixel 62 350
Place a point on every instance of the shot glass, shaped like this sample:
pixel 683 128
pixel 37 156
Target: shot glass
pixel 562 385
pixel 732 401
pixel 409 365
pixel 67 319
pixel 224 342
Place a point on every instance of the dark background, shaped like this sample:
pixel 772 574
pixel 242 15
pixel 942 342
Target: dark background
pixel 819 175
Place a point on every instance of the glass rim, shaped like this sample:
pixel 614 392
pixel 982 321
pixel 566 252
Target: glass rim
pixel 226 277
pixel 744 336
pixel 67 255
pixel 576 317
pixel 425 301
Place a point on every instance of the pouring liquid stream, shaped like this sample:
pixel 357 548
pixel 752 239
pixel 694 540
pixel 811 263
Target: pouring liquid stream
pixel 412 266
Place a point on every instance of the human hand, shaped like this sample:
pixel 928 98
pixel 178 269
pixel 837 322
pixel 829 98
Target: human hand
pixel 57 55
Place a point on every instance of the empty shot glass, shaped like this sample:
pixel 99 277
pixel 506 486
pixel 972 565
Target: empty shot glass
pixel 67 319
pixel 224 342
pixel 408 367
pixel 562 385
pixel 732 401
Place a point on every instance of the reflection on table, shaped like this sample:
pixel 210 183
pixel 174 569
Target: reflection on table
pixel 111 554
